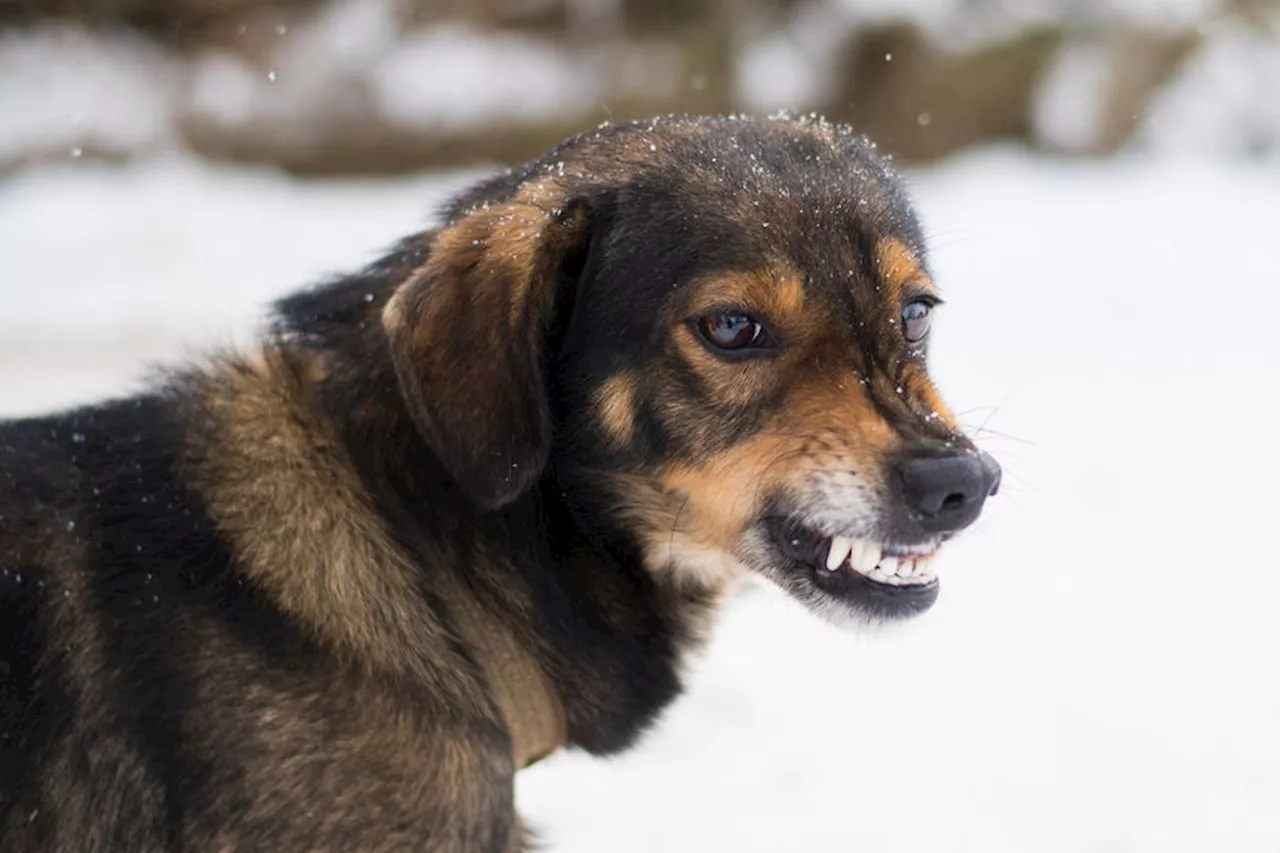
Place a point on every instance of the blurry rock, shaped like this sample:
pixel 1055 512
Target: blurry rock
pixel 176 19
pixel 1099 86
pixel 920 102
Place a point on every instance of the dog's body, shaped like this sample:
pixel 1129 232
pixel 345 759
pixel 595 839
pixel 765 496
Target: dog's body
pixel 474 503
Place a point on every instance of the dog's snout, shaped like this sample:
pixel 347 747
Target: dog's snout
pixel 946 492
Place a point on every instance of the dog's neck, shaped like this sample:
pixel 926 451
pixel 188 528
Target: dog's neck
pixel 550 557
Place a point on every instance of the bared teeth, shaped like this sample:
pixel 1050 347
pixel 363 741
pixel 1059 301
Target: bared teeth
pixel 840 548
pixel 865 556
pixel 868 558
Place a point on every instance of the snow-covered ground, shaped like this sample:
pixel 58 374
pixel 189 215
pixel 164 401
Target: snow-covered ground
pixel 1102 672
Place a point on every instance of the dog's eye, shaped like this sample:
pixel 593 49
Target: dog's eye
pixel 730 331
pixel 915 321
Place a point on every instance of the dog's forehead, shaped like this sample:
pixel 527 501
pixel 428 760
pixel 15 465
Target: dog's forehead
pixel 746 195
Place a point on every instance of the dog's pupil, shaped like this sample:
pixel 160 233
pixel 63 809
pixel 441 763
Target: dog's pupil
pixel 730 330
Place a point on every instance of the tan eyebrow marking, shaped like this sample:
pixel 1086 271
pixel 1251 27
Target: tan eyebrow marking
pixel 616 401
pixel 898 267
pixel 777 291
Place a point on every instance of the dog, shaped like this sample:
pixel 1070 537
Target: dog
pixel 477 502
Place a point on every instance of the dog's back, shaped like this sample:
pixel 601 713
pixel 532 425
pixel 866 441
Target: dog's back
pixel 154 697
pixel 67 714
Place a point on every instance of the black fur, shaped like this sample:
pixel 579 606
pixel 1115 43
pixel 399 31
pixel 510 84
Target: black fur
pixel 144 672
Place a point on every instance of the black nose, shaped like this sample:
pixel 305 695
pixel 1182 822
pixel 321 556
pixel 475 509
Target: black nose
pixel 947 492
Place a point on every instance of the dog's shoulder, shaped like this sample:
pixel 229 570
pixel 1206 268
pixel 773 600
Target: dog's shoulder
pixel 200 571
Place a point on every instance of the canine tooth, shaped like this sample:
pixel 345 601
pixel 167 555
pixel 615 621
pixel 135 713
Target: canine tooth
pixel 840 547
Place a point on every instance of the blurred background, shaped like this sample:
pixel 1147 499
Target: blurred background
pixel 1099 182
pixel 377 86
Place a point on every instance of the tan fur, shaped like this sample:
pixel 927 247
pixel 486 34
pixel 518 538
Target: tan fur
pixel 693 515
pixel 474 316
pixel 282 489
pixel 327 560
pixel 616 402
pixel 774 295
pixel 393 594
pixel 919 386
pixel 524 694
pixel 777 292
pixel 898 267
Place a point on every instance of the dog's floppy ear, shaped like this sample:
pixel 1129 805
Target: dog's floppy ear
pixel 469 333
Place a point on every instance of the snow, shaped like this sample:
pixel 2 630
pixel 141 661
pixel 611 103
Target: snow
pixel 62 89
pixel 1067 110
pixel 793 64
pixel 1226 100
pixel 942 16
pixel 359 58
pixel 493 77
pixel 1099 673
pixel 102 268
pixel 963 24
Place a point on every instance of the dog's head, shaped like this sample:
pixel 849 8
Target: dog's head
pixel 720 325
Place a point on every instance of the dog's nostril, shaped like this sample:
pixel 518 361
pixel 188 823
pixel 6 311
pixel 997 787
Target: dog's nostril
pixel 946 492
